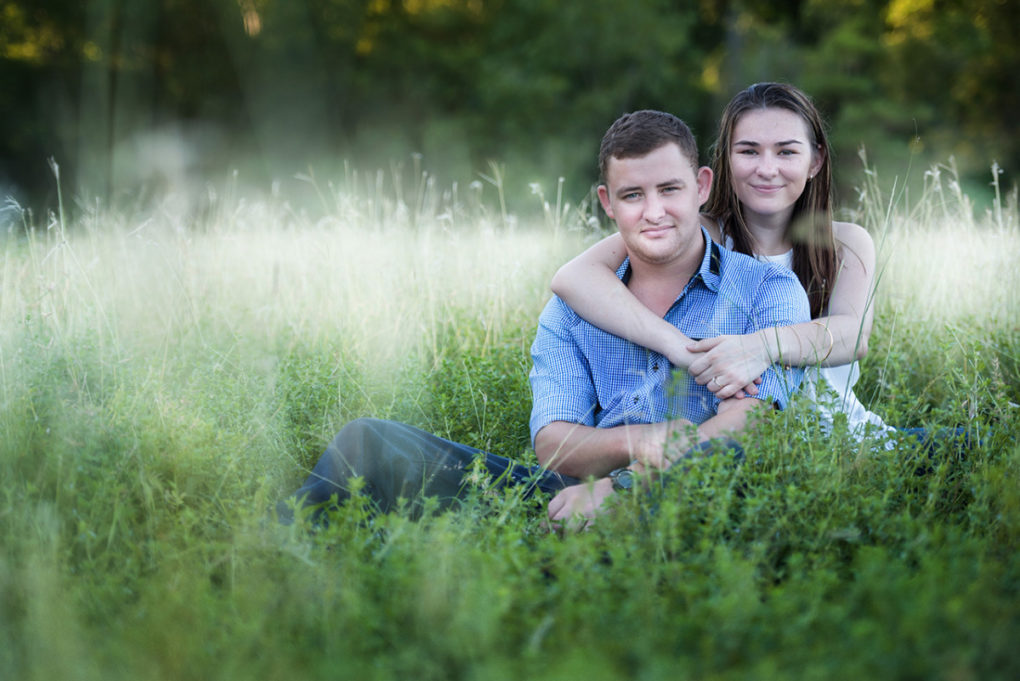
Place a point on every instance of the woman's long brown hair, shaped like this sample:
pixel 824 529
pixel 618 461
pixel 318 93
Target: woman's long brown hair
pixel 810 228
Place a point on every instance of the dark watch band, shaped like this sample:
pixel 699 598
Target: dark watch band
pixel 622 479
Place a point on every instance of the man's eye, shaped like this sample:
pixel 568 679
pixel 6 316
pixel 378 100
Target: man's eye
pixel 631 196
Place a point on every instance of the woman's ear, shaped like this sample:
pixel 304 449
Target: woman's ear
pixel 817 161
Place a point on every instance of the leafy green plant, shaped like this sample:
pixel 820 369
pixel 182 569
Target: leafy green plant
pixel 162 387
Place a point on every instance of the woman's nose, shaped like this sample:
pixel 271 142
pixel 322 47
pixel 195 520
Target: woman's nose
pixel 766 165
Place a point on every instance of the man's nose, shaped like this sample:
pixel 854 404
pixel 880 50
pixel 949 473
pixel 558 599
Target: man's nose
pixel 655 210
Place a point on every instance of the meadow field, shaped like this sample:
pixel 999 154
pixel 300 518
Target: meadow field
pixel 168 372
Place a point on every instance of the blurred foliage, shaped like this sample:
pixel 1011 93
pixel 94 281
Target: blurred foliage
pixel 127 95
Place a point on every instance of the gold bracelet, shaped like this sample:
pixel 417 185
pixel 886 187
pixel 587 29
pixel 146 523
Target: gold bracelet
pixel 831 341
pixel 800 349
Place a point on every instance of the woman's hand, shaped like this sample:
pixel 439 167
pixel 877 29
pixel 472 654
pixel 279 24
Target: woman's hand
pixel 729 366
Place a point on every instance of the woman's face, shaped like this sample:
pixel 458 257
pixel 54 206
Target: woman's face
pixel 772 157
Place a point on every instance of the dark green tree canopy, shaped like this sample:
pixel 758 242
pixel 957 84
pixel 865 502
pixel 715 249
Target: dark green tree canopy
pixel 278 85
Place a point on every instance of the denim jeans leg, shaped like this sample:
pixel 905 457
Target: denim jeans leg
pixel 398 461
pixel 926 441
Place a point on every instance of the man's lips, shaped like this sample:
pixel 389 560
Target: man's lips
pixel 656 230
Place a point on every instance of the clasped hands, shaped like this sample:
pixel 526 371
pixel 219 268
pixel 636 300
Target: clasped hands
pixel 729 366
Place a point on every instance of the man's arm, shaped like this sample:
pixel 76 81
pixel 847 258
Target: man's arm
pixel 730 418
pixel 565 403
pixel 586 500
pixel 583 451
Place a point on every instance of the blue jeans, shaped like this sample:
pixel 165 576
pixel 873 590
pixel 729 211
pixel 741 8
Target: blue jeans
pixel 398 461
pixel 955 440
pixel 928 440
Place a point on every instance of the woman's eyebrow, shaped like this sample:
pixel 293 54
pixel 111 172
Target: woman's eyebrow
pixel 751 143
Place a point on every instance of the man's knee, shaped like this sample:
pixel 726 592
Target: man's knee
pixel 360 443
pixel 356 433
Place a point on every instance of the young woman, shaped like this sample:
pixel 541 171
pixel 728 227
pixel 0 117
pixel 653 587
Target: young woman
pixel 771 199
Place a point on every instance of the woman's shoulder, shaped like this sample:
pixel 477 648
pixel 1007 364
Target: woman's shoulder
pixel 850 234
pixel 853 239
pixel 713 227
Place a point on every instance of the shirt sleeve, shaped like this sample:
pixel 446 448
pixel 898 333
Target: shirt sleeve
pixel 561 383
pixel 780 301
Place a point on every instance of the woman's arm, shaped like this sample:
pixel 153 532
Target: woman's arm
pixel 837 338
pixel 589 285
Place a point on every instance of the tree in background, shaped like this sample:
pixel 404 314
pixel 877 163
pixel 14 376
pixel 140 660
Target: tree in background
pixel 129 96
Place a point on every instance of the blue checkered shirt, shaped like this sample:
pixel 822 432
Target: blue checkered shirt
pixel 581 374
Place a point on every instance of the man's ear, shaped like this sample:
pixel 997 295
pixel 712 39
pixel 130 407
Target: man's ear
pixel 704 184
pixel 607 205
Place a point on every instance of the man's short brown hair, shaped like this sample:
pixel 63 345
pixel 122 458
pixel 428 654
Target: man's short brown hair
pixel 642 132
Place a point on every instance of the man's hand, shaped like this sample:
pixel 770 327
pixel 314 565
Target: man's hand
pixel 651 446
pixel 659 444
pixel 576 506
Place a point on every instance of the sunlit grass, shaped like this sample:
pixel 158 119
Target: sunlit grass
pixel 167 374
pixel 939 259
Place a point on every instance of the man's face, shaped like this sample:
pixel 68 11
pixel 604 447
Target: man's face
pixel 655 201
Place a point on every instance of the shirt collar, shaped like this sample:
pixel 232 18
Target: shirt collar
pixel 711 264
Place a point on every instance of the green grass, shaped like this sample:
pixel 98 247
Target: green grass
pixel 165 377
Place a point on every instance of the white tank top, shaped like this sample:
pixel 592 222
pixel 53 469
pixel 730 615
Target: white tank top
pixel 832 388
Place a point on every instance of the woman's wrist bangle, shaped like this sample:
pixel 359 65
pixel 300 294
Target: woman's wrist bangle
pixel 800 349
pixel 831 341
pixel 778 357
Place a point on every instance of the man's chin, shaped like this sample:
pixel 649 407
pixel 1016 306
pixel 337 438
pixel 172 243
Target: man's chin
pixel 657 254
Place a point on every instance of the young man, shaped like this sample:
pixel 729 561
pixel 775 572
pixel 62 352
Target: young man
pixel 601 403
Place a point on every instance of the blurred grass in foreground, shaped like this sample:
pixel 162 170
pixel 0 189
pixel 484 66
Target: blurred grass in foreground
pixel 166 376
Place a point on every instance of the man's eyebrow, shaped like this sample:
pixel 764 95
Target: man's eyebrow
pixel 623 191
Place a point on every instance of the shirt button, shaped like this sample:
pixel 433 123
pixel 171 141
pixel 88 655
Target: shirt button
pixel 636 400
pixel 655 367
